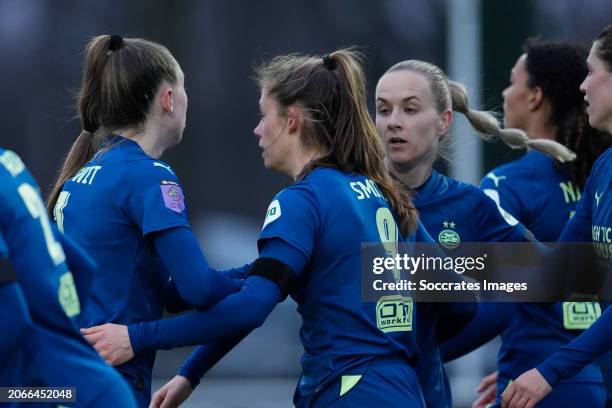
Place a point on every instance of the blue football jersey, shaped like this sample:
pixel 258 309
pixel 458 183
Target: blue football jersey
pixel 110 207
pixel 591 222
pixel 326 216
pixel 593 218
pixel 53 353
pixel 532 191
pixel 453 212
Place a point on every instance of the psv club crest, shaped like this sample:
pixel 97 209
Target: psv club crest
pixel 448 237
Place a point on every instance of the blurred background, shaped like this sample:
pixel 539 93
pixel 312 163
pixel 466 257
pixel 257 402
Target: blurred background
pixel 217 44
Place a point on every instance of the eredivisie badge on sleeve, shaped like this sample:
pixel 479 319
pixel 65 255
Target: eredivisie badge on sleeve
pixel 273 213
pixel 173 196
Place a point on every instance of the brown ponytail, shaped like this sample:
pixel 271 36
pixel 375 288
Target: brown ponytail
pixel 331 91
pixel 120 79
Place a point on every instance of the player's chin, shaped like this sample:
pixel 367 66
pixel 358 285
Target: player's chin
pixel 400 156
pixel 594 119
pixel 275 165
pixel 266 161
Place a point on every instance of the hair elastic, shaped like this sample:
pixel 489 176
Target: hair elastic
pixel 329 62
pixel 116 42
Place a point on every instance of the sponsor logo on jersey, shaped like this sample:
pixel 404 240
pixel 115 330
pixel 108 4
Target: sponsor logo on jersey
pixel 394 313
pixel 273 213
pixel 448 237
pixel 580 315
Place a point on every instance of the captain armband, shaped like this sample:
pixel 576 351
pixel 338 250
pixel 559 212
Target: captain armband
pixel 276 271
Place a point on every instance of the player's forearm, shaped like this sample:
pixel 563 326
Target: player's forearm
pixel 204 358
pixel 237 273
pixel 238 313
pixel 174 303
pixel 583 350
pixel 197 283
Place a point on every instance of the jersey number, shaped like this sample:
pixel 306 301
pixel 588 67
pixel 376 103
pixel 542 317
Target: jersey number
pixel 393 313
pixel 67 294
pixel 58 210
pixel 37 210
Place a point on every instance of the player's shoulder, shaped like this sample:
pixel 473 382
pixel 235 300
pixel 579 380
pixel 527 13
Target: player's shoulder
pixel 331 182
pixel 316 180
pixel 519 173
pixel 603 163
pixel 323 176
pixel 523 166
pixel 459 188
pixel 600 177
pixel 467 195
pixel 300 196
pixel 147 172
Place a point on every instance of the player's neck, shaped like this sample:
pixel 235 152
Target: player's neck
pixel 301 158
pixel 411 176
pixel 541 129
pixel 150 140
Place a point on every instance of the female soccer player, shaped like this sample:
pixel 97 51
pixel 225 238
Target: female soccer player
pixel 591 222
pixel 414 104
pixel 544 99
pixel 124 205
pixel 51 352
pixel 315 128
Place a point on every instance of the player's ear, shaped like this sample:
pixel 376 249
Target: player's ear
pixel 536 97
pixel 294 119
pixel 166 97
pixel 445 123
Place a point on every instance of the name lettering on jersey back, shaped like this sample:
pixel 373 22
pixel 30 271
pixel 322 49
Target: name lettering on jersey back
pixel 86 175
pixel 365 190
pixel 571 193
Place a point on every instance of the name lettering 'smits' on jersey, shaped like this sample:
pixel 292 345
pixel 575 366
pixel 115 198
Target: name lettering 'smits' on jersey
pixel 173 196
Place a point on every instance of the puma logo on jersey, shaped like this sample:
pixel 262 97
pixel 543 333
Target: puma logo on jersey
pixel 158 164
pixel 597 198
pixel 495 179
